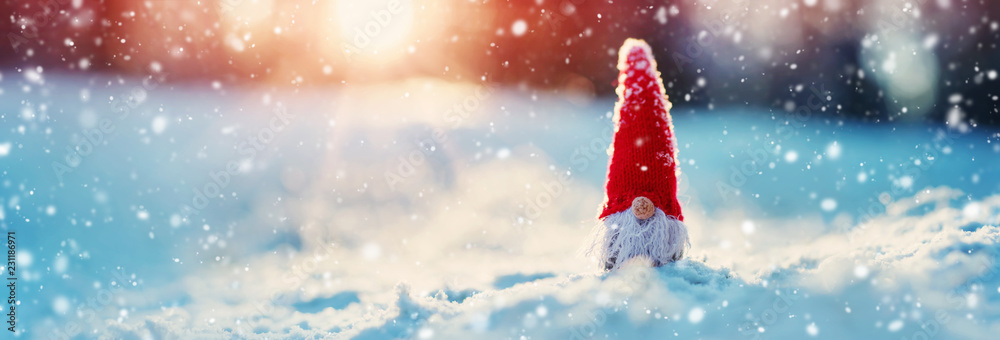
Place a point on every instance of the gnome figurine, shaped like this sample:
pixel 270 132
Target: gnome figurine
pixel 640 217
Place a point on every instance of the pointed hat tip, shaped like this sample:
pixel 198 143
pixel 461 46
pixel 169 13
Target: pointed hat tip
pixel 634 49
pixel 631 44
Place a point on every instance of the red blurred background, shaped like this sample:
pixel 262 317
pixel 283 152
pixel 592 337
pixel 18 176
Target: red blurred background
pixel 712 53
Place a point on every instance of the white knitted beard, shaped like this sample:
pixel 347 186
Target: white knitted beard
pixel 621 236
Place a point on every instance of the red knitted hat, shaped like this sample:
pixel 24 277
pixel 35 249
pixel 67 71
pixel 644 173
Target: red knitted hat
pixel 644 150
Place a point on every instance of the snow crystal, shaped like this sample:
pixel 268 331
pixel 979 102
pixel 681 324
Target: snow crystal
pixel 972 300
pixel 175 220
pixel 371 251
pixel 828 204
pixel 833 150
pixel 661 15
pixel 61 264
pixel 34 76
pixel 60 304
pixel 812 330
pixel 519 28
pixel 4 149
pixel 791 156
pixel 503 153
pixel 905 182
pixel 25 258
pixel 971 210
pixel 931 41
pixel 895 325
pixel 861 271
pixel 159 124
pixel 748 227
pixel 696 315
pixel 955 98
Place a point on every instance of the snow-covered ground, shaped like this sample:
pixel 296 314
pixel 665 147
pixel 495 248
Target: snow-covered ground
pixel 426 209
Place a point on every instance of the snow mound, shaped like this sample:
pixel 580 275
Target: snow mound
pixel 899 275
pixel 415 221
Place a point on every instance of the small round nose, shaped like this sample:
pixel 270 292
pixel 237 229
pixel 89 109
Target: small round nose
pixel 643 208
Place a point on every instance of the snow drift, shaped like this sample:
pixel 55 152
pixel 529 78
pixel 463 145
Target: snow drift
pixel 474 231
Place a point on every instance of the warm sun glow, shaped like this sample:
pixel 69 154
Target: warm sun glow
pixel 374 28
pixel 246 24
pixel 343 36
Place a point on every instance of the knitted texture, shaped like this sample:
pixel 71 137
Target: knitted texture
pixel 643 150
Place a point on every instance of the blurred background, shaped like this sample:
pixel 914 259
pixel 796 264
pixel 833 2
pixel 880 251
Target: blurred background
pixel 402 168
pixel 884 60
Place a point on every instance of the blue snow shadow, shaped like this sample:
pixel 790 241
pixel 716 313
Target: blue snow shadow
pixel 453 295
pixel 696 278
pixel 507 281
pixel 337 301
pixel 973 226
